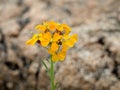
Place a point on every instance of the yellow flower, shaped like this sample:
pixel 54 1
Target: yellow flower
pixel 45 39
pixel 55 37
pixel 60 55
pixel 59 27
pixel 70 40
pixel 52 25
pixel 54 43
pixel 66 28
pixel 34 39
pixel 40 27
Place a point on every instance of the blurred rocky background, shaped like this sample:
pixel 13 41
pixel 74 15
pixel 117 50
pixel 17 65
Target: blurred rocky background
pixel 94 62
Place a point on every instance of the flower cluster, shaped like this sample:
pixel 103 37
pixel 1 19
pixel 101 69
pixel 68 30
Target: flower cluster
pixel 55 37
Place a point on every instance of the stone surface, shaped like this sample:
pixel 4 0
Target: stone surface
pixel 92 64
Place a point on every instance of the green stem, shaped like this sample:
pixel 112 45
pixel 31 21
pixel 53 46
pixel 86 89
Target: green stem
pixel 52 75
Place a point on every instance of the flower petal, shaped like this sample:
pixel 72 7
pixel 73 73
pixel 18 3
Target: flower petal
pixel 56 37
pixel 54 46
pixel 74 37
pixel 66 28
pixel 45 39
pixel 70 40
pixel 64 48
pixel 52 25
pixel 61 55
pixel 59 28
pixel 40 27
pixel 33 40
pixel 55 58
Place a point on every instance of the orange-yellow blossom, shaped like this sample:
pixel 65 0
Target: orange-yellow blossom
pixel 55 37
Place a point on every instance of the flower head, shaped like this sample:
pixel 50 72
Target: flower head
pixel 41 28
pixel 55 38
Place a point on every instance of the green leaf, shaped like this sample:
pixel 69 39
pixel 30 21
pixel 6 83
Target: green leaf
pixel 44 64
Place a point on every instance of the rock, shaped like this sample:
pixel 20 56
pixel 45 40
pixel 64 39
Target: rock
pixel 34 67
pixel 92 64
pixel 10 85
pixel 10 28
pixel 8 11
pixel 116 86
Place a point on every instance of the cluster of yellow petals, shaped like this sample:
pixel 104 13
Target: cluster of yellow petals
pixel 55 37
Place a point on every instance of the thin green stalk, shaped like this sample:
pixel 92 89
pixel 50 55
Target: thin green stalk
pixel 44 64
pixel 52 75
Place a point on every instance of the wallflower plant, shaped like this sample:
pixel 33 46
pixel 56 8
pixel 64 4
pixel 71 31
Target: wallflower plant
pixel 56 38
